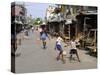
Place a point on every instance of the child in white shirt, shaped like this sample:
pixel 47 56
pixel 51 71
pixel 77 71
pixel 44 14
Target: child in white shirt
pixel 59 46
pixel 73 49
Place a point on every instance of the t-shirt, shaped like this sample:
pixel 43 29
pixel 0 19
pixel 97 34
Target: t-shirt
pixel 44 35
pixel 73 45
pixel 59 39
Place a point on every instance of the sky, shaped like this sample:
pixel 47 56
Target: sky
pixel 37 9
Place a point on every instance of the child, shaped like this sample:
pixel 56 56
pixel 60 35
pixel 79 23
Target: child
pixel 58 46
pixel 44 36
pixel 73 49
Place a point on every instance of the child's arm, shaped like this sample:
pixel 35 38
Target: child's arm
pixel 47 36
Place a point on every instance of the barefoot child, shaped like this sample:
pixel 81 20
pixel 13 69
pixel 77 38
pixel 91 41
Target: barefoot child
pixel 58 46
pixel 73 49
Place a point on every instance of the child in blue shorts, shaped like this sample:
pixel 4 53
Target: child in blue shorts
pixel 58 46
pixel 44 36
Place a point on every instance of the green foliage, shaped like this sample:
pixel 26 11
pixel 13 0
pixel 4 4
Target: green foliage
pixel 38 21
pixel 34 21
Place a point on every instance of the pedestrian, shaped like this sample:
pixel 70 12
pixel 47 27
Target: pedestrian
pixel 58 46
pixel 32 29
pixel 73 49
pixel 44 36
pixel 26 33
pixel 40 31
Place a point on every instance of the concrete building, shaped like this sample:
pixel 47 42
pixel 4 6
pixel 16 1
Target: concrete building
pixel 54 19
pixel 73 23
pixel 18 16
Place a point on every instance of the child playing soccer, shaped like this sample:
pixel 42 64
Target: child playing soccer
pixel 73 49
pixel 58 46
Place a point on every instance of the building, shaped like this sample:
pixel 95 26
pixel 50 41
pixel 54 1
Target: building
pixel 86 20
pixel 54 19
pixel 18 16
pixel 74 24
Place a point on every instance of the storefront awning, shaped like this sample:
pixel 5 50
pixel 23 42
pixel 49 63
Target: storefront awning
pixel 17 22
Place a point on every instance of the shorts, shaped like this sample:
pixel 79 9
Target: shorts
pixel 73 51
pixel 43 39
pixel 59 48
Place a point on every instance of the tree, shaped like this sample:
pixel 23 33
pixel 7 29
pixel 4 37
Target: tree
pixel 38 21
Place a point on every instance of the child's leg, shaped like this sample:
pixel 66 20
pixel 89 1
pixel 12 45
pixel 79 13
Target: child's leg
pixel 77 56
pixel 63 58
pixel 60 53
pixel 44 43
pixel 71 53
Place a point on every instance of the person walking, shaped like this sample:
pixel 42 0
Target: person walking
pixel 44 36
